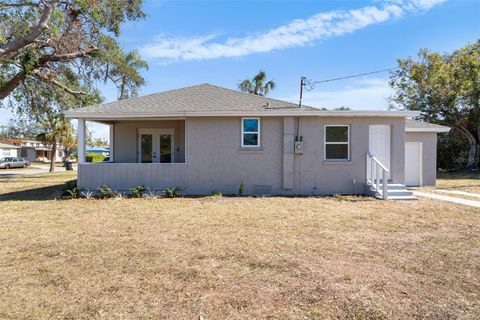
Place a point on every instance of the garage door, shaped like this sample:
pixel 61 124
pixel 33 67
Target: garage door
pixel 413 164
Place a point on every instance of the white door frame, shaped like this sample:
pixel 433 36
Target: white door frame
pixel 420 161
pixel 156 143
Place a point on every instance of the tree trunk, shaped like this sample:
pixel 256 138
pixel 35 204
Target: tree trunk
pixel 472 149
pixel 54 155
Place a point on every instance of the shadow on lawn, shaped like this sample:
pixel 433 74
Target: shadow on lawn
pixel 43 193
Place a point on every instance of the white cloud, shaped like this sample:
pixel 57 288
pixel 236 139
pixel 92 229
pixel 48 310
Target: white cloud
pixel 365 94
pixel 297 33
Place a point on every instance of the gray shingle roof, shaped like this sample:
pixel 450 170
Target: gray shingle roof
pixel 203 97
pixel 415 124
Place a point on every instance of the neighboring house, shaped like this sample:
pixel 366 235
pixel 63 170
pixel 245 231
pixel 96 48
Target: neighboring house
pixel 9 150
pixel 32 150
pixel 206 138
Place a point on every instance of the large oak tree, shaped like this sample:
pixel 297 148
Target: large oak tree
pixel 52 41
pixel 446 89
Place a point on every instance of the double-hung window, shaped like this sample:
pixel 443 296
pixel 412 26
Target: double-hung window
pixel 337 142
pixel 250 132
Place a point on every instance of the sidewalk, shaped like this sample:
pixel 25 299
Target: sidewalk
pixel 466 202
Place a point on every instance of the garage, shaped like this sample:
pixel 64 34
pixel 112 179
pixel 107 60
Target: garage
pixel 421 152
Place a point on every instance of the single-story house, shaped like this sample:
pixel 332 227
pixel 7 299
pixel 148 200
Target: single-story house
pixel 206 138
pixel 9 150
pixel 33 150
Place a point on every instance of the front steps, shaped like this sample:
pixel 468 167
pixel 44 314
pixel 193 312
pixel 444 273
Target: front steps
pixel 396 191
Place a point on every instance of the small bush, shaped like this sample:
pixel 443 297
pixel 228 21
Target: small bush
pixel 71 190
pixel 94 157
pixel 172 192
pixel 216 194
pixel 138 191
pixel 106 192
pixel 241 186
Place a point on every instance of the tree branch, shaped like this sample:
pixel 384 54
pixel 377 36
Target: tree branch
pixel 66 56
pixel 46 79
pixel 11 48
pixel 6 89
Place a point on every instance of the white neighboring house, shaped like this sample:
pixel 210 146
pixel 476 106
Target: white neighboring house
pixel 9 150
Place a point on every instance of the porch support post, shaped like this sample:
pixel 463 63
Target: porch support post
pixel 111 141
pixel 81 140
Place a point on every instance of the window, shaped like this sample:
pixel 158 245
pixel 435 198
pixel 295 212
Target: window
pixel 337 140
pixel 250 132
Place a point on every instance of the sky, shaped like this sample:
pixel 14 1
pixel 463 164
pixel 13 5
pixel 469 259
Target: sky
pixel 224 42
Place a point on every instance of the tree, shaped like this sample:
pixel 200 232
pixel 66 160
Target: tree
pixel 124 73
pixel 446 89
pixel 50 41
pixel 257 85
pixel 342 108
pixel 57 130
pixel 18 129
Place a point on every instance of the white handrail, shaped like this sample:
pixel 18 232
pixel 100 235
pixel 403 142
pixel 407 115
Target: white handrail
pixel 374 179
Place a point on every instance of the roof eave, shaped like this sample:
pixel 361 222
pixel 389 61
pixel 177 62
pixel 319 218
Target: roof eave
pixel 436 130
pixel 320 113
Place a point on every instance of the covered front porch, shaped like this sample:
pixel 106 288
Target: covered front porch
pixel 142 152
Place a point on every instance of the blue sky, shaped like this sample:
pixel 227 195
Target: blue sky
pixel 224 42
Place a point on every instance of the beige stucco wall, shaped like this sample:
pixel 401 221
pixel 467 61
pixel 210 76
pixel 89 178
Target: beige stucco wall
pixel 217 163
pixel 429 154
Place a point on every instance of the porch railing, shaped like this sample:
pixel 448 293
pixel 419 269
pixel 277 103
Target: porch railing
pixel 377 176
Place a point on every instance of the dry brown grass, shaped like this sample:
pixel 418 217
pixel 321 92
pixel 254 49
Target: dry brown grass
pixel 238 258
pixel 468 181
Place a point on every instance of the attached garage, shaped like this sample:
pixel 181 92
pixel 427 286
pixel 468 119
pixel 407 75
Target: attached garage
pixel 421 152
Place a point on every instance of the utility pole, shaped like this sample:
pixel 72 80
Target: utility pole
pixel 302 84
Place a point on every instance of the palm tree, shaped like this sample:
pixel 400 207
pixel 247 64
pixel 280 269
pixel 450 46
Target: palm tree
pixel 57 130
pixel 126 74
pixel 257 85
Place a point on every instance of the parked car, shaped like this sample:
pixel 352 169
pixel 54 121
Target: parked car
pixel 13 162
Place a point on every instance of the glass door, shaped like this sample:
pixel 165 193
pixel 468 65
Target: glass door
pixel 147 154
pixel 156 146
pixel 166 147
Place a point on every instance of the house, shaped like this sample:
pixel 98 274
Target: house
pixel 206 138
pixel 33 150
pixel 9 150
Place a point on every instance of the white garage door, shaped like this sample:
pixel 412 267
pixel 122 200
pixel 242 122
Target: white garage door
pixel 413 163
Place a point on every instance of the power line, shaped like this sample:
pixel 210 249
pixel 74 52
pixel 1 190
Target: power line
pixel 310 85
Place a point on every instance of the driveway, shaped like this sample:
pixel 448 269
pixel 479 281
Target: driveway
pixel 35 169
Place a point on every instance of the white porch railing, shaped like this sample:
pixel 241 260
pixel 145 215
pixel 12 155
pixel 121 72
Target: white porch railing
pixel 377 175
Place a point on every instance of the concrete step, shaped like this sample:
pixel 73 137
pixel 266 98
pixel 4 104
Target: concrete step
pixel 396 191
pixel 411 197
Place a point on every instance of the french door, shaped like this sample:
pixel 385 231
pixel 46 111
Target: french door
pixel 155 146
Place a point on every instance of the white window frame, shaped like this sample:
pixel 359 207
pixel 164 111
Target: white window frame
pixel 325 143
pixel 250 132
pixel 155 141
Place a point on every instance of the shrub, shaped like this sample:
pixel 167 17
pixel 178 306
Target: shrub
pixel 94 157
pixel 172 192
pixel 105 191
pixel 216 194
pixel 71 190
pixel 138 191
pixel 241 187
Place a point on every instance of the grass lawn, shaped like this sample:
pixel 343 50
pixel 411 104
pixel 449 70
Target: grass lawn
pixel 234 258
pixel 468 181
